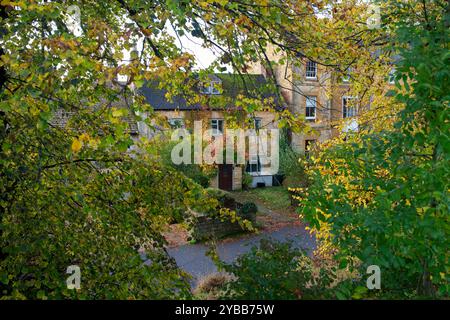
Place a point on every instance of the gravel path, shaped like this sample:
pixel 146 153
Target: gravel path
pixel 192 258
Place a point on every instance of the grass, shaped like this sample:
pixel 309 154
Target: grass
pixel 274 198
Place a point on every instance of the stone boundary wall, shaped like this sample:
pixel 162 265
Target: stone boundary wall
pixel 207 227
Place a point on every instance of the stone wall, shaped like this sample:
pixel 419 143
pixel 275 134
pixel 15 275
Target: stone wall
pixel 268 118
pixel 207 227
pixel 237 178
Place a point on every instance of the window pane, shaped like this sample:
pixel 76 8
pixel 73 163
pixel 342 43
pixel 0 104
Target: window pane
pixel 311 69
pixel 176 122
pixel 311 107
pixel 349 109
pixel 253 165
pixel 205 88
pixel 346 77
pixel 257 124
pixel 217 126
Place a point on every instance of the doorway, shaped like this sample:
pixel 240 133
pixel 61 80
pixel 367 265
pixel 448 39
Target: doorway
pixel 226 177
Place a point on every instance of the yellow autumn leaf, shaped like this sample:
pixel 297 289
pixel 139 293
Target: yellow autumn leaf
pixel 84 137
pixel 116 113
pixel 76 145
pixel 93 143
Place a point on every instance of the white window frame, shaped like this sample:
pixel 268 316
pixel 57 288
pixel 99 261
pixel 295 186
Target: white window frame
pixel 308 70
pixel 252 161
pixel 344 105
pixel 211 88
pixel 216 127
pixel 310 98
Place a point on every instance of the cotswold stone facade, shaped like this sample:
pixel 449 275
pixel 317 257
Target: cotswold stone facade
pixel 179 114
pixel 309 84
pixel 303 87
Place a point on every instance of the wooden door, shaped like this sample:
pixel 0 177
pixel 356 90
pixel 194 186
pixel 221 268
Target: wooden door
pixel 226 177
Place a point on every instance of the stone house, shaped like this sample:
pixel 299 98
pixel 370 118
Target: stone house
pixel 310 92
pixel 317 94
pixel 179 113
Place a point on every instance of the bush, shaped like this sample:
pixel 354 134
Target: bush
pixel 381 197
pixel 291 165
pixel 247 180
pixel 249 208
pixel 277 271
pixel 195 173
pixel 199 174
pixel 224 199
pixel 216 193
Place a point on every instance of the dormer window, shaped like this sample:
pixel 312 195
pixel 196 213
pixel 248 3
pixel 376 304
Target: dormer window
pixel 122 79
pixel 215 87
pixel 176 123
pixel 212 87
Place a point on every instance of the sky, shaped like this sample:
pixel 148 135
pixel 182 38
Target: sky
pixel 204 57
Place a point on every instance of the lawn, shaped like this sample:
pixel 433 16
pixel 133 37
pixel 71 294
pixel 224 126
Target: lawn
pixel 274 198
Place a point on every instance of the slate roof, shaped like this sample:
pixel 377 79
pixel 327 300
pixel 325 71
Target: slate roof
pixel 255 85
pixel 232 86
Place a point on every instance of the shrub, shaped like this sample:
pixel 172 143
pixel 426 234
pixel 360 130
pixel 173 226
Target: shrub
pixel 216 193
pixel 249 208
pixel 199 174
pixel 223 197
pixel 247 180
pixel 277 271
pixel 381 197
pixel 291 165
